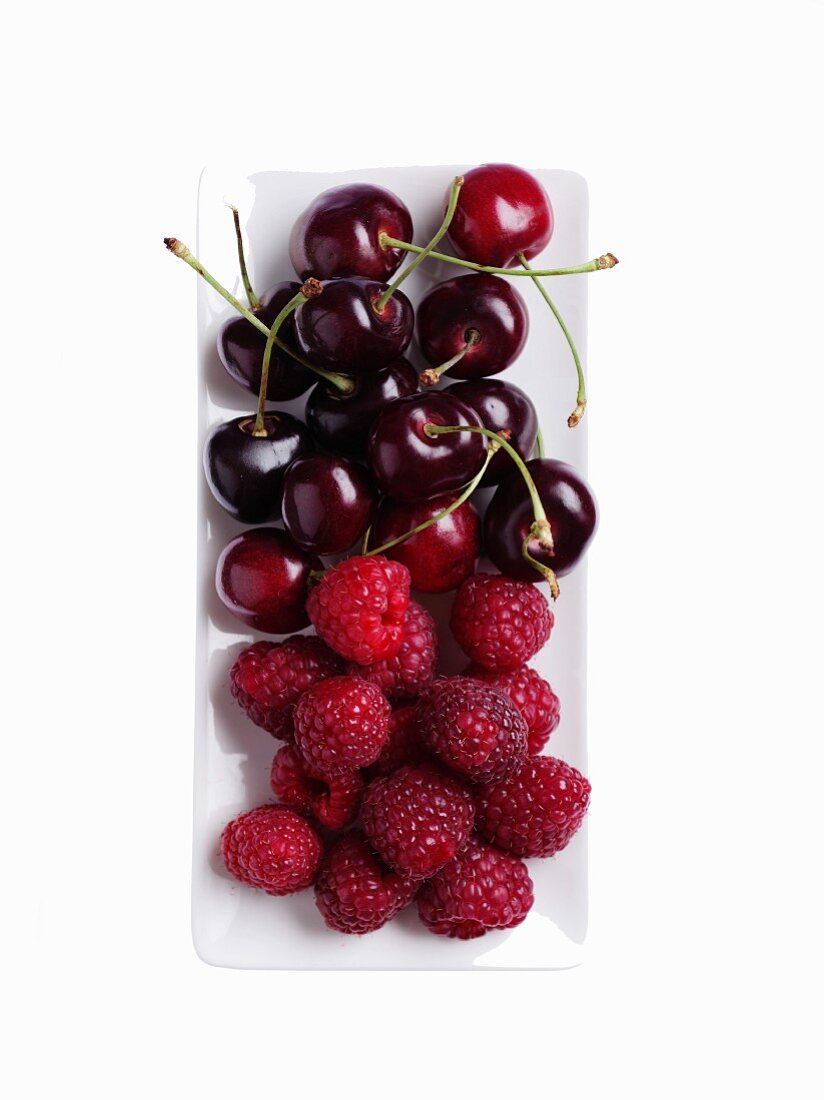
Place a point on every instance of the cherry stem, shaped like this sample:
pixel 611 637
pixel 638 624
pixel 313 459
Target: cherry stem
pixel 581 398
pixel 540 528
pixel 431 376
pixel 179 249
pixel 310 289
pixel 254 301
pixel 539 444
pixel 601 263
pixel 456 503
pixel 455 190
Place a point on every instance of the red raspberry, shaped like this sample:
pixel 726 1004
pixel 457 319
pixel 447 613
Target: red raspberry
pixel 536 810
pixel 412 669
pixel 354 892
pixel 271 849
pixel 402 745
pixel 341 724
pixel 472 728
pixel 359 606
pixel 417 819
pixel 533 697
pixel 479 890
pixel 500 623
pixel 333 801
pixel 268 678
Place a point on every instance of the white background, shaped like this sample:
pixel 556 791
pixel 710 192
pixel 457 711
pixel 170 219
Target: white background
pixel 699 129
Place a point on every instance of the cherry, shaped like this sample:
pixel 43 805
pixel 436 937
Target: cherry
pixel 472 326
pixel 439 558
pixel 502 406
pixel 570 508
pixel 240 347
pixel 341 330
pixel 245 471
pixel 337 235
pixel 411 465
pixel 328 503
pixel 263 579
pixel 342 422
pixel 503 213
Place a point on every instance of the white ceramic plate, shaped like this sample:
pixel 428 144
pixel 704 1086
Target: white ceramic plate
pixel 237 927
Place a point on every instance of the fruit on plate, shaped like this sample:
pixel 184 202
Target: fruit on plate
pixel 262 577
pixel 355 892
pixel 503 407
pixel 500 623
pixel 332 801
pixel 341 724
pixel 328 503
pixel 412 669
pixel 271 849
pixel 531 694
pixel 442 555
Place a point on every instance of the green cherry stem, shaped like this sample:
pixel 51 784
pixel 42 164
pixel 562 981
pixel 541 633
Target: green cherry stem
pixel 601 263
pixel 179 249
pixel 540 529
pixel 539 444
pixel 430 377
pixel 310 289
pixel 254 301
pixel 454 191
pixel 581 398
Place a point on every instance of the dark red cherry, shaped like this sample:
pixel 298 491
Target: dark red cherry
pixel 571 510
pixel 342 331
pixel 410 465
pixel 342 422
pixel 440 558
pixel 502 210
pixel 245 472
pixel 263 579
pixel 337 235
pixel 328 503
pixel 501 406
pixel 481 317
pixel 240 347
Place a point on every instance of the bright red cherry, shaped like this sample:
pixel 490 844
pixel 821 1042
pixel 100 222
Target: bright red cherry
pixel 410 465
pixel 337 235
pixel 502 211
pixel 502 406
pixel 342 331
pixel 328 502
pixel 571 510
pixel 440 558
pixel 262 577
pixel 240 347
pixel 472 326
pixel 342 422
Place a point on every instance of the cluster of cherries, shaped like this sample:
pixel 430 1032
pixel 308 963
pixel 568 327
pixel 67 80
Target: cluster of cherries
pixel 385 457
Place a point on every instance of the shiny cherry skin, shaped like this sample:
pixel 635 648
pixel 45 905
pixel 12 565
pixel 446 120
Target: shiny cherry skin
pixel 328 503
pixel 342 422
pixel 502 210
pixel 410 465
pixel 571 510
pixel 245 472
pixel 501 406
pixel 342 331
pixel 440 558
pixel 240 347
pixel 262 577
pixel 484 305
pixel 337 235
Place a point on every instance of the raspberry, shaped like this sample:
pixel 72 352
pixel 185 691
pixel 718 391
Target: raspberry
pixel 359 606
pixel 354 892
pixel 412 669
pixel 500 623
pixel 479 890
pixel 402 745
pixel 472 728
pixel 533 697
pixel 333 801
pixel 417 819
pixel 341 724
pixel 268 678
pixel 271 849
pixel 536 810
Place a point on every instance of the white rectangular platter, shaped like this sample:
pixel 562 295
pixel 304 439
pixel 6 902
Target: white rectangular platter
pixel 237 927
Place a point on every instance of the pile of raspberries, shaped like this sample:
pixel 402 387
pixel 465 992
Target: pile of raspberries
pixel 394 784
